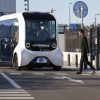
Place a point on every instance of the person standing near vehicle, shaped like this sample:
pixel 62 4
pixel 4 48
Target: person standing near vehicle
pixel 84 52
pixel 43 34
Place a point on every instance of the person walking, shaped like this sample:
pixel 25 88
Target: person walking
pixel 84 52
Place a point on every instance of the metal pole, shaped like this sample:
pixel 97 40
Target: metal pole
pixel 91 30
pixel 96 19
pixel 97 57
pixel 69 14
pixel 28 5
pixel 82 16
pixel 76 56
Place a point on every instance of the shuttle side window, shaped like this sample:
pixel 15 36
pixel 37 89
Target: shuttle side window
pixel 8 39
pixel 15 31
pixel 9 32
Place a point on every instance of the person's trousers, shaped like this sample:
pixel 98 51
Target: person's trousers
pixel 84 58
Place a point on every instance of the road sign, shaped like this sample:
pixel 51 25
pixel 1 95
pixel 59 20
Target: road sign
pixel 80 9
pixel 75 26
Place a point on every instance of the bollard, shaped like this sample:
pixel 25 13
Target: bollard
pixel 68 59
pixel 76 62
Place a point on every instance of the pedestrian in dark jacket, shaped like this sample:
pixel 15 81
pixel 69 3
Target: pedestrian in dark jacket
pixel 84 52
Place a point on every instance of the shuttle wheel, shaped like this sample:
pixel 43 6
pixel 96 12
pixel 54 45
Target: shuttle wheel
pixel 15 63
pixel 56 68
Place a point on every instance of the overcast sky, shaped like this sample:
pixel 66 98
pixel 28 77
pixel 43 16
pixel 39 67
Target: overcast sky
pixel 62 9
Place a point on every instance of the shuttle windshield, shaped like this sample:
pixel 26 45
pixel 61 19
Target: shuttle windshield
pixel 41 32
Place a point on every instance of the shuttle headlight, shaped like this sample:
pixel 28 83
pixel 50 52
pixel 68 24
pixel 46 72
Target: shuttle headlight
pixel 27 45
pixel 54 45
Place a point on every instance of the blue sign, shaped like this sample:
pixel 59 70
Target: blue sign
pixel 75 27
pixel 80 9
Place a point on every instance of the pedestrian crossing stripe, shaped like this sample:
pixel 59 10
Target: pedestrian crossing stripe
pixel 15 73
pixel 15 94
pixel 61 74
pixel 86 74
pixel 16 98
pixel 42 73
pixel 39 73
pixel 18 93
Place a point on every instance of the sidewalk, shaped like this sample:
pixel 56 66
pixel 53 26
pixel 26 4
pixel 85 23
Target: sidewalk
pixel 87 71
pixel 71 68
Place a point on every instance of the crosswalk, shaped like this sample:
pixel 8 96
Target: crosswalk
pixel 54 73
pixel 20 94
pixel 15 94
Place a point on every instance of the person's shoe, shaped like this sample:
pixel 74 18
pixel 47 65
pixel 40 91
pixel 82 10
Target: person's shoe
pixel 79 73
pixel 94 71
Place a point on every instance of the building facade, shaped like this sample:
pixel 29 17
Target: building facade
pixel 7 6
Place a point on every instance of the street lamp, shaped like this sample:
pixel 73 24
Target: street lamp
pixel 26 5
pixel 96 19
pixel 69 14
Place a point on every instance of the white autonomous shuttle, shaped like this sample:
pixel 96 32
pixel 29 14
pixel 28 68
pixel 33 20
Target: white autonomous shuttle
pixel 30 39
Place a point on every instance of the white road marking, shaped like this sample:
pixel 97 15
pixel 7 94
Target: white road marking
pixel 15 73
pixel 51 73
pixel 38 73
pixel 86 74
pixel 15 90
pixel 11 81
pixel 70 79
pixel 15 94
pixel 60 73
pixel 10 94
pixel 16 98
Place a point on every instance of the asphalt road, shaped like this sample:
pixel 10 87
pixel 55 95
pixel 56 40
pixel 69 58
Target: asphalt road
pixel 46 84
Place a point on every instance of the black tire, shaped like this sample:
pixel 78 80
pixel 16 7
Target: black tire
pixel 15 63
pixel 56 68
